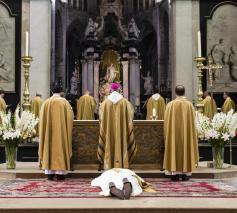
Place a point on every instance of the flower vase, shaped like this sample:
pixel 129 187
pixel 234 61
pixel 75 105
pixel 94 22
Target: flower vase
pixel 218 156
pixel 11 152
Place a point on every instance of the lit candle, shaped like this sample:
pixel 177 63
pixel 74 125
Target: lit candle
pixel 137 102
pixel 27 43
pixel 199 45
pixel 154 112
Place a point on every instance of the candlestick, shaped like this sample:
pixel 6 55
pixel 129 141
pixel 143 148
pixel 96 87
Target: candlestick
pixel 26 64
pixel 137 101
pixel 200 105
pixel 199 45
pixel 27 44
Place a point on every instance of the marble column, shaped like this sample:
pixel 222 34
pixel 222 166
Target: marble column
pixel 90 75
pixel 134 79
pixel 84 75
pixel 39 27
pixel 125 79
pixel 185 25
pixel 96 80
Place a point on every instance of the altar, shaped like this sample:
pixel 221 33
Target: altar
pixel 148 136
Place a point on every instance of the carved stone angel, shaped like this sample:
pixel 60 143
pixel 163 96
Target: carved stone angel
pixel 133 30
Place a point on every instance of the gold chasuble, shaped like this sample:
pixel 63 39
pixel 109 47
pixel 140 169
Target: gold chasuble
pixel 36 104
pixel 55 133
pixel 86 106
pixel 117 146
pixel 210 108
pixel 181 144
pixel 158 103
pixel 3 105
pixel 228 105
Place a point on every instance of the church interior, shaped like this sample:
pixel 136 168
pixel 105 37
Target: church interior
pixel 147 47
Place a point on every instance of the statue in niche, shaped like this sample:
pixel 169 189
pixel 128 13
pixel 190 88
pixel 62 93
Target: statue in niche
pixel 4 69
pixel 133 30
pixel 111 73
pixel 91 29
pixel 148 84
pixel 233 63
pixel 74 81
pixel 219 56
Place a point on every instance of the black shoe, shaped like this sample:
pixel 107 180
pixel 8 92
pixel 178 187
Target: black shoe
pixel 127 188
pixel 50 177
pixel 174 178
pixel 60 177
pixel 185 178
pixel 116 192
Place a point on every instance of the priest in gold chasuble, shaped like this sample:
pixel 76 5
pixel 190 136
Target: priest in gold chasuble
pixel 55 133
pixel 117 146
pixel 181 144
pixel 210 108
pixel 3 105
pixel 86 106
pixel 36 104
pixel 228 104
pixel 155 103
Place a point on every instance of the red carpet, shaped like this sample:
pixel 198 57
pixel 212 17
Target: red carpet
pixel 80 188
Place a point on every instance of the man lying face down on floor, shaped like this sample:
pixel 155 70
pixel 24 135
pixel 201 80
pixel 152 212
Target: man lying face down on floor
pixel 121 183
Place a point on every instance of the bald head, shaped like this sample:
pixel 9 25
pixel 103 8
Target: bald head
pixel 180 90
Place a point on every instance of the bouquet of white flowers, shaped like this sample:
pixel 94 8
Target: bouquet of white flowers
pixel 13 129
pixel 16 126
pixel 218 130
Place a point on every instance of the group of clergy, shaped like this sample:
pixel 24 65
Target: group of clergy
pixel 116 144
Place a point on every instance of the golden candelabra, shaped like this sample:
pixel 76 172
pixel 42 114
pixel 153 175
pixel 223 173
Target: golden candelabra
pixel 26 64
pixel 211 68
pixel 200 105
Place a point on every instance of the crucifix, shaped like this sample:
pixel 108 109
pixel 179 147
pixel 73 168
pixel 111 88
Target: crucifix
pixel 211 68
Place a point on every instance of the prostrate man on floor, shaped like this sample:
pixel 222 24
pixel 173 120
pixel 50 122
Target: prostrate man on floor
pixel 86 106
pixel 210 108
pixel 228 104
pixel 36 104
pixel 181 144
pixel 55 132
pixel 121 183
pixel 155 104
pixel 116 147
pixel 3 105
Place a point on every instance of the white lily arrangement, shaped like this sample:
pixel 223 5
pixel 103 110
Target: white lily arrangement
pixel 220 129
pixel 17 127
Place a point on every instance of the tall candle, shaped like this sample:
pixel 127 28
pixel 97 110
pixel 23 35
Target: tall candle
pixel 154 112
pixel 27 43
pixel 199 45
pixel 137 102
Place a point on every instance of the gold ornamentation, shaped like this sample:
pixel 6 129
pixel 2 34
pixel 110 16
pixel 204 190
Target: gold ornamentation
pixel 200 105
pixel 26 64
